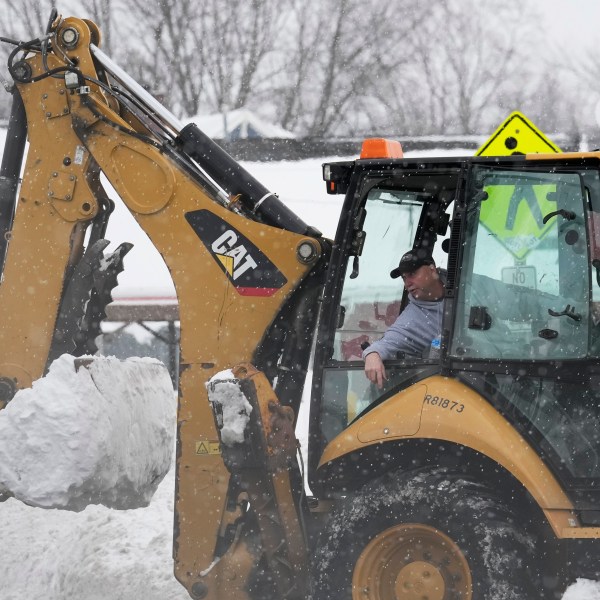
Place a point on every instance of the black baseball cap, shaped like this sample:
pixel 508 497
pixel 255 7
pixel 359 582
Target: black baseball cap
pixel 411 261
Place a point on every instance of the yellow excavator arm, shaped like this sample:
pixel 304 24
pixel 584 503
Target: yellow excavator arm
pixel 238 258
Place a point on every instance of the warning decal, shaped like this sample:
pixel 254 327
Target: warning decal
pixel 207 447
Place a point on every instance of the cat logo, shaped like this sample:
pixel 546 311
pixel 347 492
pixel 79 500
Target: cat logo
pixel 233 256
pixel 250 271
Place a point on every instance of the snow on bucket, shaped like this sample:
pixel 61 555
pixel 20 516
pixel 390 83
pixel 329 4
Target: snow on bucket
pixel 99 434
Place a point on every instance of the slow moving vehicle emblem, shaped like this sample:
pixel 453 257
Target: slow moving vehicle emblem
pixel 517 135
pixel 515 213
pixel 250 271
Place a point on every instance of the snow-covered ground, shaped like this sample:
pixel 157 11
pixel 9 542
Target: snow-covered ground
pixel 97 554
pixel 102 553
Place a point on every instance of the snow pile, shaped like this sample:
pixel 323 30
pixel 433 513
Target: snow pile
pixel 102 434
pixel 584 589
pixel 230 406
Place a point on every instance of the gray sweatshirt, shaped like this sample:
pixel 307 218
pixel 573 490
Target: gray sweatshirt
pixel 412 332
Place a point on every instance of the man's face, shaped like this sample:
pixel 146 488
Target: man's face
pixel 424 283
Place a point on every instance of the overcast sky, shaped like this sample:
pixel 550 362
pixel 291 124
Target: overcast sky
pixel 571 25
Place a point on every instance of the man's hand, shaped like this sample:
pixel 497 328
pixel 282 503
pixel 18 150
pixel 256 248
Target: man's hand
pixel 374 369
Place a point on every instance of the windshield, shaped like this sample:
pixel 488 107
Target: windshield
pixel 525 290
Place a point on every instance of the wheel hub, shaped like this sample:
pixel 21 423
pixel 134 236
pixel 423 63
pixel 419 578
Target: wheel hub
pixel 420 578
pixel 411 562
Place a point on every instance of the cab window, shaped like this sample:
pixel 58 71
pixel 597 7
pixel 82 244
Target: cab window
pixel 524 289
pixel 371 300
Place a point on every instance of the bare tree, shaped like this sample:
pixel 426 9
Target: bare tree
pixel 102 12
pixel 577 84
pixel 238 37
pixel 479 49
pixel 30 17
pixel 22 21
pixel 206 54
pixel 297 49
pixel 341 54
pixel 166 55
pixel 326 67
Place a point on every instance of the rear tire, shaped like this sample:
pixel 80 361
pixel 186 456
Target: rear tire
pixel 428 534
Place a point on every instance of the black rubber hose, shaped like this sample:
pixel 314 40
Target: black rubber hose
pixel 235 180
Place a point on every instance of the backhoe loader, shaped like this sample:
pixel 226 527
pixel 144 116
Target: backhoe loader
pixel 473 473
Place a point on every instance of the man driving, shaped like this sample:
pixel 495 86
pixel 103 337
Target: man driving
pixel 419 324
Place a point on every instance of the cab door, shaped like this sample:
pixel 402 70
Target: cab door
pixel 394 215
pixel 526 332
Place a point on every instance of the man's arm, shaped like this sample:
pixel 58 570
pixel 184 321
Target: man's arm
pixel 397 338
pixel 385 348
pixel 374 369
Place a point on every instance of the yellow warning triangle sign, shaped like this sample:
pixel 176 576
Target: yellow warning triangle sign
pixel 517 135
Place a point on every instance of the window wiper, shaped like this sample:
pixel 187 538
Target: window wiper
pixel 568 312
pixel 569 215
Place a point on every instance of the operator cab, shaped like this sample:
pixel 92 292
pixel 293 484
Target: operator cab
pixel 520 241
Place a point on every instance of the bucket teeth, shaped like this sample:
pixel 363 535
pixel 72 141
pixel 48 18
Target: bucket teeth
pixel 105 280
pixel 83 306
